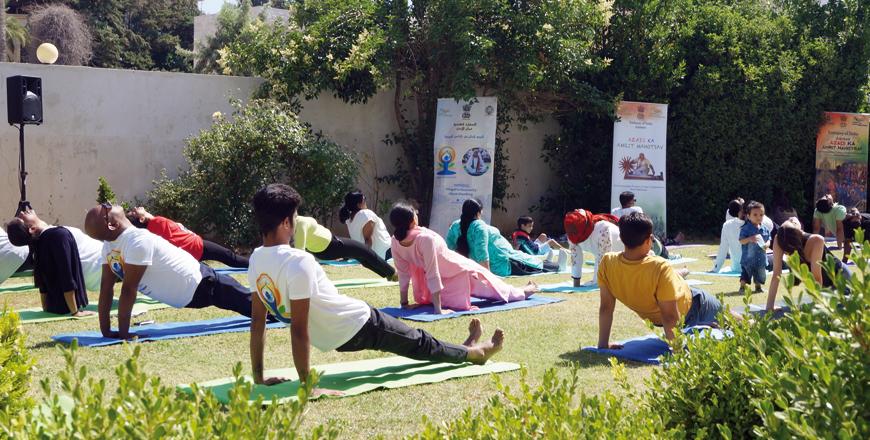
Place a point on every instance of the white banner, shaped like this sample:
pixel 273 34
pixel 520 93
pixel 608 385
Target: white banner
pixel 639 153
pixel 464 158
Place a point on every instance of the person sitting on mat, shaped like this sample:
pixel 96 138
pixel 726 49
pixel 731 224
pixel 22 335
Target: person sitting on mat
pixel 364 225
pixel 729 239
pixel 473 238
pixel 442 277
pixel 57 267
pixel 522 240
pixel 596 233
pixel 854 220
pixel 12 258
pixel 648 285
pixel 788 239
pixel 294 288
pixel 322 243
pixel 89 249
pixel 147 263
pixel 179 236
pixel 828 219
pixel 627 203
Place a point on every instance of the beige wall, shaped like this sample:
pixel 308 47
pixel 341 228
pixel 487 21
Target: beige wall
pixel 127 126
pixel 124 125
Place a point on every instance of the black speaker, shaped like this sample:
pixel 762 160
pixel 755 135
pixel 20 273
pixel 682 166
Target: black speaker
pixel 24 100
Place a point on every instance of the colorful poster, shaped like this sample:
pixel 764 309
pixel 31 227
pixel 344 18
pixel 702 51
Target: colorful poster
pixel 841 159
pixel 464 158
pixel 639 141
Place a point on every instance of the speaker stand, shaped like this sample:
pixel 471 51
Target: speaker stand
pixel 23 204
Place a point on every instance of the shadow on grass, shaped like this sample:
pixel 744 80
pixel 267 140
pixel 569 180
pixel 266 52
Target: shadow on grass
pixel 44 344
pixel 586 359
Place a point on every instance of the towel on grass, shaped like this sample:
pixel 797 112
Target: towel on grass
pixel 424 313
pixel 353 378
pixel 169 330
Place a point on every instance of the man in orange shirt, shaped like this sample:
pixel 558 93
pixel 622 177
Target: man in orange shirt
pixel 647 285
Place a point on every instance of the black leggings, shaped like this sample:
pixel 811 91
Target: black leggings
pixel 221 291
pixel 385 333
pixel 347 248
pixel 216 252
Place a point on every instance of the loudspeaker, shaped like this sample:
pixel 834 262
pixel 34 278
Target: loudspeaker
pixel 24 100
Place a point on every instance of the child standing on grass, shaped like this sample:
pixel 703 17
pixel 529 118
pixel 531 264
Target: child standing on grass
pixel 754 238
pixel 294 288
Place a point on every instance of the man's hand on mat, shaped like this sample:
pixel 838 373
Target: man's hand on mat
pixel 269 381
pixel 83 313
pixel 317 392
pixel 445 312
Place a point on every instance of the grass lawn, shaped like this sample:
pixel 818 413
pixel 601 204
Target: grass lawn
pixel 539 338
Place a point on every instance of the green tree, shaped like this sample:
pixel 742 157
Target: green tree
pixel 525 53
pixel 231 22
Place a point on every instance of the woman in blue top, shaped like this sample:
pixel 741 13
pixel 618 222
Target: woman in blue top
pixel 473 238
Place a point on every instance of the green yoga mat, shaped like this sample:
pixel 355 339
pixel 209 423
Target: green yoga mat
pixel 36 315
pixel 360 283
pixel 17 288
pixel 23 273
pixel 358 377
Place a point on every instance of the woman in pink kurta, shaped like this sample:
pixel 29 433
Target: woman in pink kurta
pixel 441 277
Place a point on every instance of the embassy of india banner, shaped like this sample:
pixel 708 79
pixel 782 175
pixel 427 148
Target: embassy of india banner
pixel 464 158
pixel 639 142
pixel 841 159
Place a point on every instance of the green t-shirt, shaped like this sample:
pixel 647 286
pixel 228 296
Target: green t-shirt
pixel 829 220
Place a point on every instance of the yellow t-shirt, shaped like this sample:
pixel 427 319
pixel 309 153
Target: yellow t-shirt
pixel 310 235
pixel 641 284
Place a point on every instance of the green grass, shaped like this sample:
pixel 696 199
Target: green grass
pixel 539 338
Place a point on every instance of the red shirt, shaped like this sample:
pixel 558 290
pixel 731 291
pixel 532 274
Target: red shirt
pixel 178 236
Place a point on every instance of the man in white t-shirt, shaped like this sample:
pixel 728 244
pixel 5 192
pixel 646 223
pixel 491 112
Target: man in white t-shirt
pixel 149 264
pixel 729 243
pixel 628 202
pixel 295 289
pixel 12 257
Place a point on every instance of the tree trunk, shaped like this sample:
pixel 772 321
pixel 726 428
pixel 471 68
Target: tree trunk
pixel 3 30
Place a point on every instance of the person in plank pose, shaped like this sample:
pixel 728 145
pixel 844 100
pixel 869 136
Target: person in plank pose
pixel 178 235
pixel 596 233
pixel 147 263
pixel 647 285
pixel 442 277
pixel 828 219
pixel 294 288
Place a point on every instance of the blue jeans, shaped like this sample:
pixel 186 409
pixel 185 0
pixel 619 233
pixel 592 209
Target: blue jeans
pixel 704 309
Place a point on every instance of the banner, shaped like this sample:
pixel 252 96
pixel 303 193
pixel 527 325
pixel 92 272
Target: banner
pixel 464 158
pixel 841 159
pixel 639 140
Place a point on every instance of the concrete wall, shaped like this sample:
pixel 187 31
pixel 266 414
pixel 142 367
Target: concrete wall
pixel 124 125
pixel 127 126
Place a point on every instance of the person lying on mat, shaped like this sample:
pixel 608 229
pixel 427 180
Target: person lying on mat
pixel 854 220
pixel 57 266
pixel 364 225
pixel 648 285
pixel 322 243
pixel 294 288
pixel 147 263
pixel 12 258
pixel 179 236
pixel 442 277
pixel 596 233
pixel 471 237
pixel 788 239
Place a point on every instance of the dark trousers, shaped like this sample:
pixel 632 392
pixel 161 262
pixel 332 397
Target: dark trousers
pixel 221 291
pixel 215 252
pixel 385 333
pixel 347 248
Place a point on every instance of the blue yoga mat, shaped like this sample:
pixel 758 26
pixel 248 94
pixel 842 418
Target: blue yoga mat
pixel 172 330
pixel 650 349
pixel 231 270
pixel 568 287
pixel 424 313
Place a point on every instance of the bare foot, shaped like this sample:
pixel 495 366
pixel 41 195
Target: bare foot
pixel 531 289
pixel 480 353
pixel 684 272
pixel 475 331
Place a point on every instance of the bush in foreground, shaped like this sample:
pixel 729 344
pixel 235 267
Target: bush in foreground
pixel 15 363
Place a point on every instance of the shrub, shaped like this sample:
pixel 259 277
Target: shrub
pixel 263 143
pixel 142 407
pixel 15 365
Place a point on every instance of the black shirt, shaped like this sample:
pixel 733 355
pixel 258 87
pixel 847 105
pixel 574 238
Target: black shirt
pixel 58 269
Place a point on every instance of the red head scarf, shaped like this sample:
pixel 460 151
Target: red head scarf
pixel 580 222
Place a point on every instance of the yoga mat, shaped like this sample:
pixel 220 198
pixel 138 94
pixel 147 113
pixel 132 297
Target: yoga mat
pixel 36 315
pixel 650 349
pixel 339 263
pixel 726 272
pixel 231 270
pixel 170 330
pixel 348 283
pixel 682 260
pixel 584 270
pixel 424 313
pixel 23 273
pixel 684 246
pixel 353 378
pixel 17 288
pixel 568 287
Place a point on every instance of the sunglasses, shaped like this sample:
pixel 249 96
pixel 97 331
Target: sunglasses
pixel 108 208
